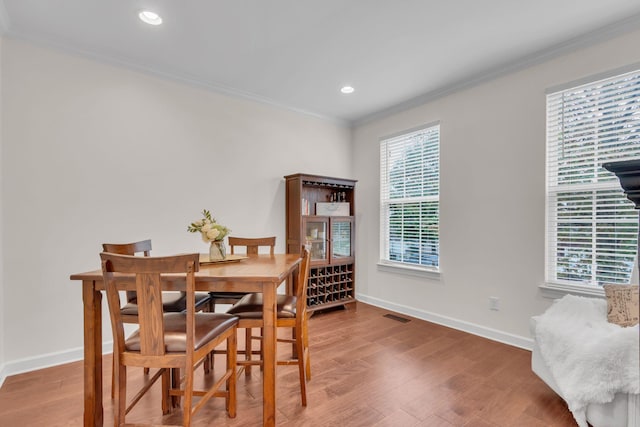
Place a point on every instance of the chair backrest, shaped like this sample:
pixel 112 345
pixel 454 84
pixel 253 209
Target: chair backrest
pixel 301 286
pixel 252 244
pixel 145 272
pixel 143 246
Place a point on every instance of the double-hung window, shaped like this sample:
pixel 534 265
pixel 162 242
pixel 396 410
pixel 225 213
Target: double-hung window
pixel 410 199
pixel 592 228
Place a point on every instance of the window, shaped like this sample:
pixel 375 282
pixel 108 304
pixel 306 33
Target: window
pixel 410 198
pixel 592 228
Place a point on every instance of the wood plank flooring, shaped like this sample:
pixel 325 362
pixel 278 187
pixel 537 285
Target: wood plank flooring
pixel 367 370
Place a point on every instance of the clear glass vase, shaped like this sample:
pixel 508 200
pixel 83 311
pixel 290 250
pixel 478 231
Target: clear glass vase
pixel 217 250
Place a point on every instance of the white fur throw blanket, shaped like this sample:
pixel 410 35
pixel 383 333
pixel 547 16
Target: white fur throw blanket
pixel 590 359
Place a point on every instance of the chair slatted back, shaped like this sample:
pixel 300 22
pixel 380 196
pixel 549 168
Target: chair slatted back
pixel 252 244
pixel 146 273
pixel 143 246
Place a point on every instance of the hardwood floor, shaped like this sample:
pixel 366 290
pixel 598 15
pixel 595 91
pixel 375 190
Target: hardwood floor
pixel 367 370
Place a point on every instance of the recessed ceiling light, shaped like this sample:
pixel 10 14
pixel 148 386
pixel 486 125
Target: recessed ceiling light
pixel 347 89
pixel 150 18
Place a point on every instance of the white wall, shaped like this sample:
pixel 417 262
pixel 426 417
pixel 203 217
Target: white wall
pixel 95 153
pixel 492 197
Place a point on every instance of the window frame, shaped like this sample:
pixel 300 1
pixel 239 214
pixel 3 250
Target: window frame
pixel 552 286
pixel 397 266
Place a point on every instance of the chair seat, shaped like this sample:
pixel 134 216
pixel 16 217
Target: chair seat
pixel 250 307
pixel 208 327
pixel 172 302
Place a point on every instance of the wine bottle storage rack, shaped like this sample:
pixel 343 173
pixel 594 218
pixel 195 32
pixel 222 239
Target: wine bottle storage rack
pixel 330 285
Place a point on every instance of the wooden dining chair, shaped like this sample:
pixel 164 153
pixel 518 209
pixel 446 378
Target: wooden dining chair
pixel 172 302
pixel 292 313
pixel 252 247
pixel 167 341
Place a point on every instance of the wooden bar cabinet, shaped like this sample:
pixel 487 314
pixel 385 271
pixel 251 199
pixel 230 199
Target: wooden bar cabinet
pixel 320 213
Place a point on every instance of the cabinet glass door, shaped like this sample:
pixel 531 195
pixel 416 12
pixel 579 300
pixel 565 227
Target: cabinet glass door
pixel 341 234
pixel 316 238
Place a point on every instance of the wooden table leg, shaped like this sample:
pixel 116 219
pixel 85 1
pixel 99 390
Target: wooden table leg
pixel 269 361
pixel 92 302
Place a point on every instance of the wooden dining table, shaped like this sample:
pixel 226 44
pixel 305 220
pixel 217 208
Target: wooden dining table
pixel 261 273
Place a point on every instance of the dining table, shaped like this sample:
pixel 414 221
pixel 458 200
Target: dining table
pixel 258 273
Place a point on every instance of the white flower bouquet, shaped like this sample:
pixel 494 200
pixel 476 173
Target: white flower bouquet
pixel 209 229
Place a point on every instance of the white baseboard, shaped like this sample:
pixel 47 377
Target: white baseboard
pixel 46 361
pixel 3 374
pixel 461 325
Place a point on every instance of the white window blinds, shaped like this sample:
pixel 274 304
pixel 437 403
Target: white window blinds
pixel 410 198
pixel 591 226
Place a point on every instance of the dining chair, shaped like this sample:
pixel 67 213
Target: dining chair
pixel 291 313
pixel 252 247
pixel 170 342
pixel 172 302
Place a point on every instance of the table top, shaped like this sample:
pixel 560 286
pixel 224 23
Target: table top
pixel 260 268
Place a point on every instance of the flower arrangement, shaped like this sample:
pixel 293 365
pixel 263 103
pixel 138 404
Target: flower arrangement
pixel 208 227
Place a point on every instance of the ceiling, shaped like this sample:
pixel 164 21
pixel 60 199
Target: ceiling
pixel 299 53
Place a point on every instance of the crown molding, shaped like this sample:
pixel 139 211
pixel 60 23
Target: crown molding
pixel 588 39
pixel 167 75
pixel 602 34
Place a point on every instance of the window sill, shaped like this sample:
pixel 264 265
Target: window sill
pixel 431 273
pixel 556 290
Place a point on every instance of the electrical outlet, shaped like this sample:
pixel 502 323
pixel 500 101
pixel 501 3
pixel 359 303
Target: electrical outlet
pixel 494 303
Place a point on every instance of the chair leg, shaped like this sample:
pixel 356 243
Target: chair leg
pixel 307 363
pixel 114 366
pixel 175 384
pixel 188 397
pixel 232 354
pixel 120 400
pixel 305 345
pixel 301 365
pixel 247 352
pixel 167 403
pixel 211 359
pixel 206 364
pixel 261 349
